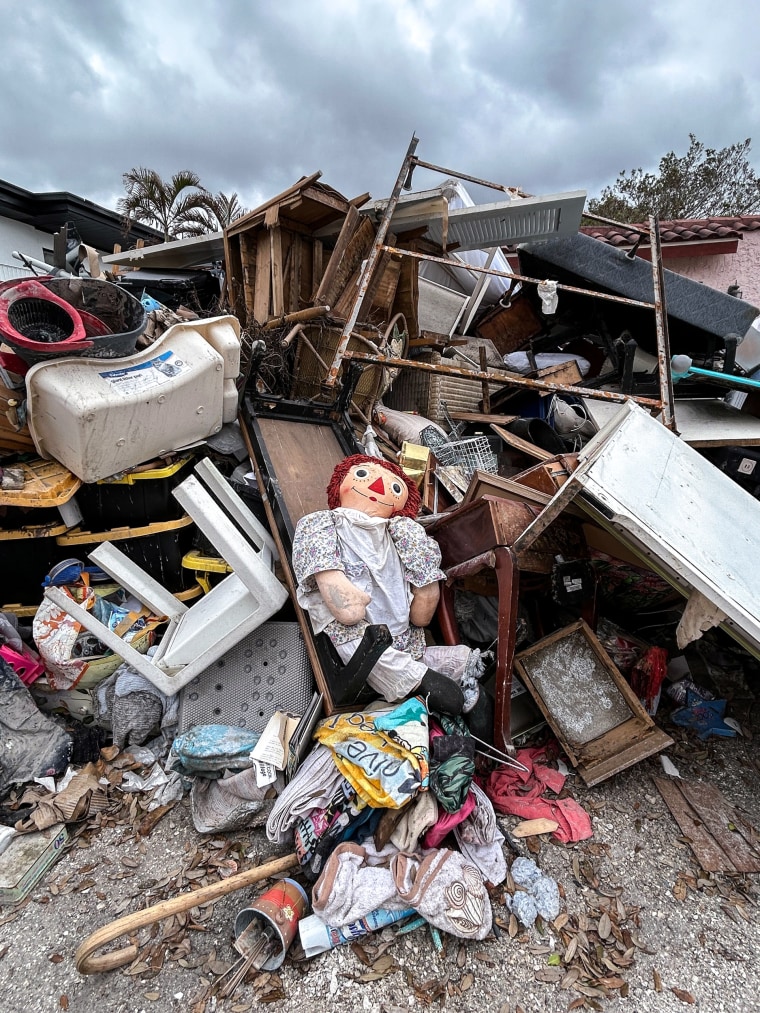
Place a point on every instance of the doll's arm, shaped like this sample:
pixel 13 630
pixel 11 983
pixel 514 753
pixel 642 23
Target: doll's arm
pixel 347 602
pixel 424 603
pixel 421 557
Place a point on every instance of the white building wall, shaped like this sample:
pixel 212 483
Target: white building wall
pixel 25 239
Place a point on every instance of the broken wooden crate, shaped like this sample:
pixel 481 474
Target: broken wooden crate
pixel 592 710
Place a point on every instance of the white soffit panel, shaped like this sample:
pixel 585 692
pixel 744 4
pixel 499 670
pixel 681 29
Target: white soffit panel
pixel 510 222
pixel 485 225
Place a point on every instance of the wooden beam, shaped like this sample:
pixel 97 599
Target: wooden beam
pixel 344 237
pixel 263 279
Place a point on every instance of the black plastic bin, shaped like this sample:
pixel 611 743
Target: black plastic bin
pixel 139 498
pixel 157 548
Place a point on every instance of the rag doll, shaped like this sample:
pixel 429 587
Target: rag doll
pixel 366 560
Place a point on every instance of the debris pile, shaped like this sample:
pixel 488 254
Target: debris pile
pixel 426 518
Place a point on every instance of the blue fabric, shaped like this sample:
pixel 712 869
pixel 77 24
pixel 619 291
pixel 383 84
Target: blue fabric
pixel 705 717
pixel 211 749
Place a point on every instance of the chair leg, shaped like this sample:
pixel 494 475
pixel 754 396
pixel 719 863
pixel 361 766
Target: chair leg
pixel 508 579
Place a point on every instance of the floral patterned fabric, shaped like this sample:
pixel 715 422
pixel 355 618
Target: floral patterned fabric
pixel 401 556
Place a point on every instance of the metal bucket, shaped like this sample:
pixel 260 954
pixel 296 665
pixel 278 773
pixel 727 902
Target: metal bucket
pixel 281 908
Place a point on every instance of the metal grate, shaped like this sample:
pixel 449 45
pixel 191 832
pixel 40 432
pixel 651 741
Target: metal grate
pixel 266 671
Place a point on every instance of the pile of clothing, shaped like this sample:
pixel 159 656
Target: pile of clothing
pixel 385 815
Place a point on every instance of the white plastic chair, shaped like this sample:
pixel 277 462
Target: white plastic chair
pixel 198 635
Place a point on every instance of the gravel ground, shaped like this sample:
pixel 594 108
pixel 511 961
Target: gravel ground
pixel 694 934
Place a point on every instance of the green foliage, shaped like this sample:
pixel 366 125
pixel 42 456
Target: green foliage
pixel 702 183
pixel 179 207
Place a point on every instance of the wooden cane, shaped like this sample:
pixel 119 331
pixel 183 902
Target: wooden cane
pixel 87 962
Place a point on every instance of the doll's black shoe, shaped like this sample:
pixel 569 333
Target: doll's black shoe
pixel 443 694
pixel 480 719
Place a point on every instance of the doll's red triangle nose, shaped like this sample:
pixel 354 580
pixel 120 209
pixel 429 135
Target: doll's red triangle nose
pixel 377 486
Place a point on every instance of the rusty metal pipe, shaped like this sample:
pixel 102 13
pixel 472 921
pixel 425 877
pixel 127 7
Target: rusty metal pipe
pixel 504 379
pixel 663 337
pixel 517 277
pixel 462 175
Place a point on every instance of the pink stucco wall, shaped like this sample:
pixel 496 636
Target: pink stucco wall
pixel 723 270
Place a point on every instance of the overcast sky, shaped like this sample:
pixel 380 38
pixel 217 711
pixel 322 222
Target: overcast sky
pixel 549 95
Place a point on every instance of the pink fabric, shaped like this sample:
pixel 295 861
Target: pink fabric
pixel 521 794
pixel 447 821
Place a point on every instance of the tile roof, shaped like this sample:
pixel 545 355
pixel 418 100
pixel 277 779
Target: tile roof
pixel 684 230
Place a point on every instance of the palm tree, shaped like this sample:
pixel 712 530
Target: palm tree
pixel 222 211
pixel 176 207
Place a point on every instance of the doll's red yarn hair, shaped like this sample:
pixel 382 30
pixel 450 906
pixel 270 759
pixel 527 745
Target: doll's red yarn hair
pixel 342 469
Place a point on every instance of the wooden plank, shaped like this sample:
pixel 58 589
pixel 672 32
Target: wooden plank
pixel 263 279
pixel 256 217
pixel 303 620
pixel 653 740
pixel 716 814
pixel 520 444
pixel 710 855
pixel 276 264
pixel 483 483
pixel 482 418
pixel 324 293
pixel 296 265
pixel 317 257
pixel 384 292
pixel 344 287
pixel 408 295
pixel 247 254
pixel 303 458
pixel 235 278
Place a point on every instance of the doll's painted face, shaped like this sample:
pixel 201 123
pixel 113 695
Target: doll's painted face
pixel 373 490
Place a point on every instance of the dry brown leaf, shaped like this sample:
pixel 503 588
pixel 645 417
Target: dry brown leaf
pixel 561 920
pixel 466 981
pixel 570 978
pixel 657 980
pixel 589 990
pixel 385 963
pixel 571 950
pixel 63 1002
pixel 577 1003
pixel 361 954
pixel 605 926
pixel 151 995
pixel 683 995
pixel 679 890
pixel 513 927
pixel 55 958
pixel 548 974
pixel 461 955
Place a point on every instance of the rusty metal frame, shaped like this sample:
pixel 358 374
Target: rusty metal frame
pixel 504 379
pixel 665 405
